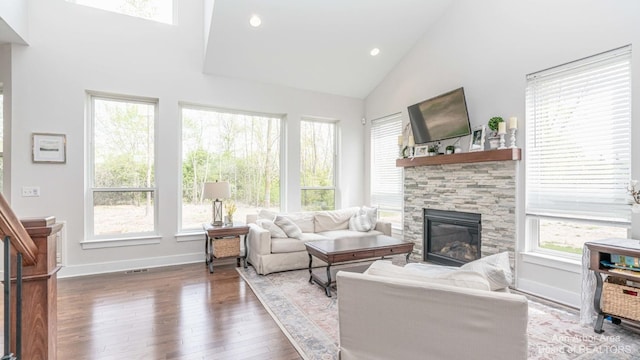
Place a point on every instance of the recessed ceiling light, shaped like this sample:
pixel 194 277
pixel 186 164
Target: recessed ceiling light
pixel 374 51
pixel 255 20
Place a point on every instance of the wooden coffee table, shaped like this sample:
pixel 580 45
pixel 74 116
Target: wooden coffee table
pixel 349 249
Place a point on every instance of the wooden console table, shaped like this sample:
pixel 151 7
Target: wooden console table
pixel 602 250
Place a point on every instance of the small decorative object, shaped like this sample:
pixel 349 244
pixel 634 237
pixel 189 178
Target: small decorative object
pixel 477 139
pixel 49 148
pixel 494 124
pixel 434 149
pixel 501 131
pixel 421 151
pixel 513 125
pixel 635 194
pixel 400 146
pixel 217 190
pixel 411 146
pixel 231 209
pixel 449 149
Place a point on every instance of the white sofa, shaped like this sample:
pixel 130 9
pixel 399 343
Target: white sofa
pixel 404 316
pixel 270 254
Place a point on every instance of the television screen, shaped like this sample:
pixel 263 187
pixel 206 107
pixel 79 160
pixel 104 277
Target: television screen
pixel 439 118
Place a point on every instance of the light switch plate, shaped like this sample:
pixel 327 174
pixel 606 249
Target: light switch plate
pixel 30 191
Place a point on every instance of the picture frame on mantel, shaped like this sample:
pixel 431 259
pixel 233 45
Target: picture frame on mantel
pixel 49 148
pixel 477 139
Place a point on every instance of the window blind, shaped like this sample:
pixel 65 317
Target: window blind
pixel 386 178
pixel 578 143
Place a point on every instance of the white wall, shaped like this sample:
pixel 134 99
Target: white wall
pixel 489 47
pixel 75 48
pixel 13 21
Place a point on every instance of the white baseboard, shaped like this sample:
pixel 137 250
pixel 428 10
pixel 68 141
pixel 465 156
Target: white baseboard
pixel 135 264
pixel 558 295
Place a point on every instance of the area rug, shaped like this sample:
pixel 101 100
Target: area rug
pixel 310 320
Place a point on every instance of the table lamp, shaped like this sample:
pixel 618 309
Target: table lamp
pixel 216 191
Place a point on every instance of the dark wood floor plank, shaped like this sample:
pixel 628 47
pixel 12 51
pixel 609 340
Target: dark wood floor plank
pixel 178 312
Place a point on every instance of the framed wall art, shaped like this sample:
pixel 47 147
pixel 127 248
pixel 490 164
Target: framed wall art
pixel 49 148
pixel 477 139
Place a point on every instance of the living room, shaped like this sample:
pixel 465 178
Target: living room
pixel 486 47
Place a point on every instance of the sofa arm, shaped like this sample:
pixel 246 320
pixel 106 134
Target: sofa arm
pixel 259 240
pixel 384 227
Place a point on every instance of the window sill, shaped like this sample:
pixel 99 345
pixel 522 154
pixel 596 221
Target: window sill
pixel 187 236
pixel 120 242
pixel 552 261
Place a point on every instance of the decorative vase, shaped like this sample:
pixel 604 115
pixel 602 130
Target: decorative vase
pixel 494 142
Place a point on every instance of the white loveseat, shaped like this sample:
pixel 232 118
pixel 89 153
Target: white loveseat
pixel 270 254
pixel 397 313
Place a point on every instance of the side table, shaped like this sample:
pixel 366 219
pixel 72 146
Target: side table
pixel 213 233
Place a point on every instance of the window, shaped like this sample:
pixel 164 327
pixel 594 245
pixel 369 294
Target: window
pixel 122 172
pixel 318 164
pixel 239 147
pixel 386 178
pixel 578 152
pixel 157 10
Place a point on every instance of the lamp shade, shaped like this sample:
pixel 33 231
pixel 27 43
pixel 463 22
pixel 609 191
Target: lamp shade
pixel 217 190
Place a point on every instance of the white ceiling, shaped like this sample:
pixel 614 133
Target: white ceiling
pixel 319 45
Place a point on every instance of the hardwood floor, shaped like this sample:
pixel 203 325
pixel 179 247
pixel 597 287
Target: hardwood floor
pixel 178 312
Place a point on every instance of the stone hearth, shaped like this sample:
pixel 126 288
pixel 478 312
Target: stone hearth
pixel 487 188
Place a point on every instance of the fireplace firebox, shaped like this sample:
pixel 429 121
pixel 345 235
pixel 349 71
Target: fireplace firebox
pixel 451 237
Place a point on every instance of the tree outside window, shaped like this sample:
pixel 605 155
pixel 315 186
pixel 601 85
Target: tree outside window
pixel 241 148
pixel 123 170
pixel 317 164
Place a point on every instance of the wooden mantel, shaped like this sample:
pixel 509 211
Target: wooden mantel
pixel 469 157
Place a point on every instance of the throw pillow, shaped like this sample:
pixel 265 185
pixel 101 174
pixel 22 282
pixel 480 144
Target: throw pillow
pixel 360 221
pixel 372 213
pixel 266 214
pixel 289 227
pixel 495 268
pixel 275 230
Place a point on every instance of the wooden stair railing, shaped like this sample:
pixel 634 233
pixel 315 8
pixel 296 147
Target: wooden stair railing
pixel 35 240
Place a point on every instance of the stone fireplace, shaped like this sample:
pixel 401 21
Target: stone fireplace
pixel 486 187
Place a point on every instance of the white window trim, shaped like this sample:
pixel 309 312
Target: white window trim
pixel 336 124
pixel 142 238
pixel 186 235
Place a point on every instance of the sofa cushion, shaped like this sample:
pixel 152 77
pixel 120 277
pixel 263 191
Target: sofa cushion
pixel 340 234
pixel 458 278
pixel 304 220
pixel 289 227
pixel 334 219
pixel 293 245
pixel 286 245
pixel 495 268
pixel 275 230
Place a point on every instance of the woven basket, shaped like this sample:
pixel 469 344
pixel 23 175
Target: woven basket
pixel 621 300
pixel 226 247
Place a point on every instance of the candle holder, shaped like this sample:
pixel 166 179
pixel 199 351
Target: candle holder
pixel 400 151
pixel 502 146
pixel 513 139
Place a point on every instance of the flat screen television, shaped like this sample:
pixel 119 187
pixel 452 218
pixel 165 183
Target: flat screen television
pixel 439 118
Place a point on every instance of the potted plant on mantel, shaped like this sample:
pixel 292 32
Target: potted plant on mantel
pixel 494 139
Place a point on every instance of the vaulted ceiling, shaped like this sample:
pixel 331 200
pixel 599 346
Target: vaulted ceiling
pixel 318 45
